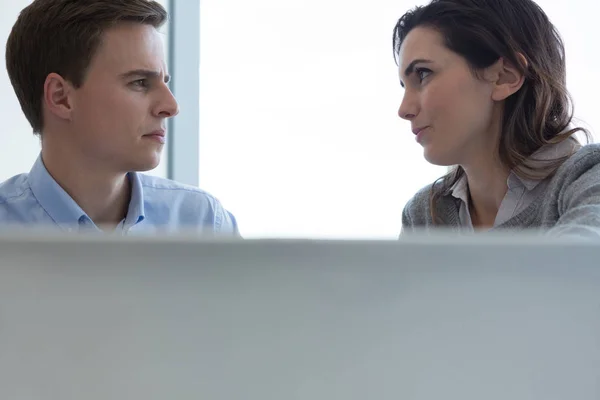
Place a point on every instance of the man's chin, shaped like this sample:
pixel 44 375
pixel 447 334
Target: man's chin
pixel 146 164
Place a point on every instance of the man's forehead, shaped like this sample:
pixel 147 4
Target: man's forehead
pixel 131 39
pixel 137 47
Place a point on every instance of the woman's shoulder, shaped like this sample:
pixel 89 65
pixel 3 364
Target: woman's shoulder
pixel 589 152
pixel 586 158
pixel 577 178
pixel 417 210
pixel 420 200
pixel 421 197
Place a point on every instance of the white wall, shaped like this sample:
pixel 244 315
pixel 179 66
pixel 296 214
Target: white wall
pixel 577 26
pixel 18 146
pixel 299 133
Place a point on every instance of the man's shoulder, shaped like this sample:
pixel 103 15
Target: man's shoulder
pixel 185 205
pixel 169 189
pixel 17 202
pixel 14 189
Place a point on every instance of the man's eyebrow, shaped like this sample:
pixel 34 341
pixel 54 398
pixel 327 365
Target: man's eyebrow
pixel 144 73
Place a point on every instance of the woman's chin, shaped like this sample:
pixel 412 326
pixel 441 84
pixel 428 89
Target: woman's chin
pixel 440 158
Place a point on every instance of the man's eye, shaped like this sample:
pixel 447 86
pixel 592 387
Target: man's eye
pixel 142 83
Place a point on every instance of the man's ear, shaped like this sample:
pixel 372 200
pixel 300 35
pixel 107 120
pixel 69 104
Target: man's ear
pixel 58 96
pixel 506 78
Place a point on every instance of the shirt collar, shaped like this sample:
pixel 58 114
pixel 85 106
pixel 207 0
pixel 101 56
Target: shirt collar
pixel 540 158
pixel 460 189
pixel 61 207
pixel 136 212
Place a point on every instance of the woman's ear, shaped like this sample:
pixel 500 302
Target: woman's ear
pixel 508 79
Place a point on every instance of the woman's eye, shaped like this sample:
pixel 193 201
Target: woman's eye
pixel 423 73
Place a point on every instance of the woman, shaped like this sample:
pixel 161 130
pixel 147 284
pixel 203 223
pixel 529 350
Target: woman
pixel 484 91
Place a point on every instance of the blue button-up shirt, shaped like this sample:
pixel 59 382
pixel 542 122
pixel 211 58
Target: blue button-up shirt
pixel 157 205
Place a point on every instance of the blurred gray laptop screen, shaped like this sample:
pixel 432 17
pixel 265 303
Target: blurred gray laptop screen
pixel 178 318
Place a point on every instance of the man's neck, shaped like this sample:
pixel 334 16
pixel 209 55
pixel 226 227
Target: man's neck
pixel 102 194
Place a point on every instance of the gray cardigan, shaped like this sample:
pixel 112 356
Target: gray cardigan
pixel 570 204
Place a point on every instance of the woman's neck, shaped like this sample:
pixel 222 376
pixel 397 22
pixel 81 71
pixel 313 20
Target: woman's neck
pixel 487 182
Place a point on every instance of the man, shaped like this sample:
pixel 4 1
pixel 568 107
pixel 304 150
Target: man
pixel 92 81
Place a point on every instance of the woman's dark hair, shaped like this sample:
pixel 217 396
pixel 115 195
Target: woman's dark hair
pixel 482 32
